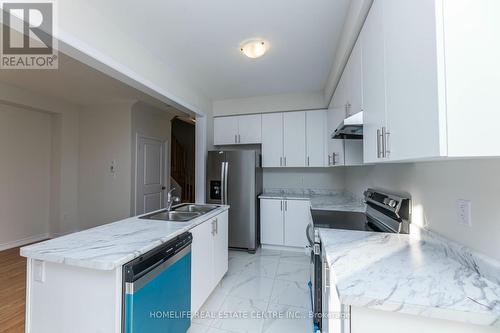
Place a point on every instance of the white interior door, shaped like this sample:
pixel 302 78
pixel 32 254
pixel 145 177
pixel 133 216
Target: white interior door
pixel 150 175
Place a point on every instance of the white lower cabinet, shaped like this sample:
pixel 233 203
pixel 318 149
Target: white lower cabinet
pixel 209 258
pixel 284 222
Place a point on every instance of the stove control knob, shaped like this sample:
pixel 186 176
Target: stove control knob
pixel 392 203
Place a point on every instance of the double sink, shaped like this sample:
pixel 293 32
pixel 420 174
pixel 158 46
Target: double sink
pixel 180 213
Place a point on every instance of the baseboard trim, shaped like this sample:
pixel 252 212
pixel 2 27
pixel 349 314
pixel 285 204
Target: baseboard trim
pixel 23 241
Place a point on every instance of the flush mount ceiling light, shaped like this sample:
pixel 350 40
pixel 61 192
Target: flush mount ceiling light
pixel 254 48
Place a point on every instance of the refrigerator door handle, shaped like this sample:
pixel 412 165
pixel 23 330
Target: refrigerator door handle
pixel 225 182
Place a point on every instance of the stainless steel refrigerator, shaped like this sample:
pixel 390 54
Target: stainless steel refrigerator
pixel 234 178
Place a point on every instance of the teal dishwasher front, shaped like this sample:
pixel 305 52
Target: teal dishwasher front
pixel 157 289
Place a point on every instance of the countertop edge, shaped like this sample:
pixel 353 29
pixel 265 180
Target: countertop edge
pixel 109 266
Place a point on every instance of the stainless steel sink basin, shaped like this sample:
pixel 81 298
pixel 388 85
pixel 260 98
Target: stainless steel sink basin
pixel 173 216
pixel 195 208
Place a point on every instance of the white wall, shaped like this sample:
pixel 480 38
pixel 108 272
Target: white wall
pixel 150 122
pixel 270 103
pixel 25 175
pixel 304 178
pixel 64 154
pixel 435 188
pixel 105 136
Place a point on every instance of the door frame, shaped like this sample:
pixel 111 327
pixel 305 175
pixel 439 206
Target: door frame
pixel 166 167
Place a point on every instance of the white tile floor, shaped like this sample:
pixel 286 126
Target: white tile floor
pixel 262 292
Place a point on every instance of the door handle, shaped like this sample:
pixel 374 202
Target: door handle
pixel 286 205
pixel 281 205
pixel 239 138
pixel 379 151
pixel 329 160
pixel 235 138
pixel 385 137
pixel 163 188
pixel 284 161
pixel 308 161
pixel 216 223
pixel 223 165
pixel 281 161
pixel 333 158
pixel 225 182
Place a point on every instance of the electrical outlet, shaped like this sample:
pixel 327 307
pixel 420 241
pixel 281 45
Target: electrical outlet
pixel 464 212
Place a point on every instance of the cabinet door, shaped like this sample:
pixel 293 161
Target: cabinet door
pixel 272 139
pixel 202 264
pixel 315 138
pixel 372 37
pixel 225 130
pixel 297 217
pixel 411 78
pixel 294 139
pixel 221 246
pixel 271 221
pixel 335 156
pixel 250 129
pixel 355 91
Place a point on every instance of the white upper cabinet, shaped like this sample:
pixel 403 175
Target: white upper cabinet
pixel 355 73
pixel 348 95
pixel 374 118
pixel 428 79
pixel 250 129
pixel 226 131
pixel 272 140
pixel 234 130
pixel 315 138
pixel 335 151
pixel 294 139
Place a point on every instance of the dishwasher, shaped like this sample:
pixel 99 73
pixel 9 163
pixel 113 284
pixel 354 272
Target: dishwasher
pixel 157 289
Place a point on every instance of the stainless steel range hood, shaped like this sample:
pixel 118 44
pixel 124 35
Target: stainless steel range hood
pixel 350 128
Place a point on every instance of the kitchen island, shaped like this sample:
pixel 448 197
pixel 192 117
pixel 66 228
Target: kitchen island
pixel 74 282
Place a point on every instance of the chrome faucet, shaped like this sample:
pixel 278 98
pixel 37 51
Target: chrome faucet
pixel 171 199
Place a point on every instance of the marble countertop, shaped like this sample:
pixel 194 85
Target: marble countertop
pixel 397 273
pixel 320 199
pixel 111 245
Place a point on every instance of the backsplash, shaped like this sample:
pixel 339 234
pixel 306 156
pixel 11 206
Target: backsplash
pixel 480 263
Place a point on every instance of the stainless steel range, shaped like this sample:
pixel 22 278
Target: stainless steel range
pixel 385 212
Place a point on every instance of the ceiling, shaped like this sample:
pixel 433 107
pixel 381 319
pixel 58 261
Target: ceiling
pixel 77 83
pixel 199 40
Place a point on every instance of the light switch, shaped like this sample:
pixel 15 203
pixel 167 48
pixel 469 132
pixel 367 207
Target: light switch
pixel 39 270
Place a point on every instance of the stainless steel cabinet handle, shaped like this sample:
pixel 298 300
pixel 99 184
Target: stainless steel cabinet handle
pixel 281 205
pixel 308 161
pixel 379 151
pixel 213 227
pixel 385 137
pixel 216 226
pixel 334 160
pixel 329 160
pixel 284 161
pixel 281 161
pixel 222 169
pixel 286 205
pixel 235 138
pixel 239 138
